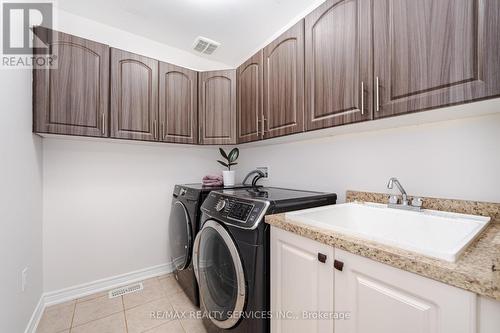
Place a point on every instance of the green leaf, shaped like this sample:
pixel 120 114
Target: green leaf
pixel 223 163
pixel 223 153
pixel 231 164
pixel 234 154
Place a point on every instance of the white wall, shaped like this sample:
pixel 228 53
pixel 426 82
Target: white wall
pixel 20 202
pixel 453 159
pixel 83 27
pixel 106 205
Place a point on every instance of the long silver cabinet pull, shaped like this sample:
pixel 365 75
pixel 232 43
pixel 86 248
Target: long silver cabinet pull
pixel 263 125
pixel 162 130
pixel 377 100
pixel 103 121
pixel 362 97
pixel 154 129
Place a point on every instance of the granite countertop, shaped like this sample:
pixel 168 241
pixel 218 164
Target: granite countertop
pixel 476 270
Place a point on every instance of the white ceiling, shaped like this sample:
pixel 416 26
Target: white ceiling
pixel 241 26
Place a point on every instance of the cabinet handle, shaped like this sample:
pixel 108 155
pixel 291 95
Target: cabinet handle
pixel 377 100
pixel 263 125
pixel 339 265
pixel 103 121
pixel 321 257
pixel 154 129
pixel 200 141
pixel 162 130
pixel 362 98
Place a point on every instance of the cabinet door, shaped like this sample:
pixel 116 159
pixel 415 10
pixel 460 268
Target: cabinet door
pixel 250 80
pixel 383 299
pixel 300 283
pixel 73 98
pixel 432 53
pixel 217 107
pixel 284 83
pixel 178 104
pixel 134 96
pixel 338 64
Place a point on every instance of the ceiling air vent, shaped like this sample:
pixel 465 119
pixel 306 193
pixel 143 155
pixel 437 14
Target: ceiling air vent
pixel 205 45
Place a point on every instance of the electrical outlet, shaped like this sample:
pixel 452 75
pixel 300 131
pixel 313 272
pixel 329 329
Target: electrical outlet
pixel 24 278
pixel 264 170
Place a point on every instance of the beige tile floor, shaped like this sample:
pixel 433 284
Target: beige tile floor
pixel 131 313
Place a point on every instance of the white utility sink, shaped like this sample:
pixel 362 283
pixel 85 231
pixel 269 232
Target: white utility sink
pixel 437 234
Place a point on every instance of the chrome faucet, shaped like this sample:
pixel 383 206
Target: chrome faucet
pixel 416 202
pixel 390 185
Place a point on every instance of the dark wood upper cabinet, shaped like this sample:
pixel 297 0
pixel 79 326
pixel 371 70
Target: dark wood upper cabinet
pixel 73 98
pixel 217 107
pixel 434 53
pixel 134 96
pixel 284 83
pixel 178 104
pixel 347 61
pixel 338 86
pixel 250 81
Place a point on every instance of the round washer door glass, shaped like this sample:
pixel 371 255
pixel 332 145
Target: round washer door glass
pixel 180 235
pixel 220 274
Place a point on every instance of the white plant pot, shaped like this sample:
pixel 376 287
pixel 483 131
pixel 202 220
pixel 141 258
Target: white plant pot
pixel 228 177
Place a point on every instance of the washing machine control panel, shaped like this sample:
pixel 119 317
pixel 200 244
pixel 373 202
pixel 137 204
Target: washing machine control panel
pixel 234 210
pixel 239 210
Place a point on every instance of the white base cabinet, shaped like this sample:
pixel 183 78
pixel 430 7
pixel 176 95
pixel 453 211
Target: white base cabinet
pixel 376 298
pixel 384 299
pixel 301 285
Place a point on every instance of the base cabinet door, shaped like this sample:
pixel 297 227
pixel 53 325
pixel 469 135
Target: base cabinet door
pixel 250 79
pixel 217 107
pixel 338 85
pixel 284 83
pixel 134 96
pixel 72 99
pixel 383 299
pixel 434 53
pixel 178 104
pixel 301 284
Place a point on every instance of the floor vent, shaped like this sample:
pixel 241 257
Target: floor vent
pixel 125 290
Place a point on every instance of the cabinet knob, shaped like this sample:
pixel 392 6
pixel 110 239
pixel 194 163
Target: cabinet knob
pixel 322 257
pixel 339 265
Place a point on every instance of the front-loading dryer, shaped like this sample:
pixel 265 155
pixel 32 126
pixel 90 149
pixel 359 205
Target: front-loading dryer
pixel 183 226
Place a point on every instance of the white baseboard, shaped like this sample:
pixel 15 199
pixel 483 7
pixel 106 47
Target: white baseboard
pixel 85 289
pixel 82 290
pixel 36 316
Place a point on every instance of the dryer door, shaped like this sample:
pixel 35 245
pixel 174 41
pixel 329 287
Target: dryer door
pixel 220 275
pixel 180 234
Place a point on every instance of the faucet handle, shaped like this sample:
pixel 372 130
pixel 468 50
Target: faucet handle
pixel 417 202
pixel 393 199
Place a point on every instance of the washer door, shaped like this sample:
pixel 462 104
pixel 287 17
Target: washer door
pixel 181 236
pixel 220 275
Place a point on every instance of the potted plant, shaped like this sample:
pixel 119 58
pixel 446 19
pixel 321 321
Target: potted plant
pixel 229 175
